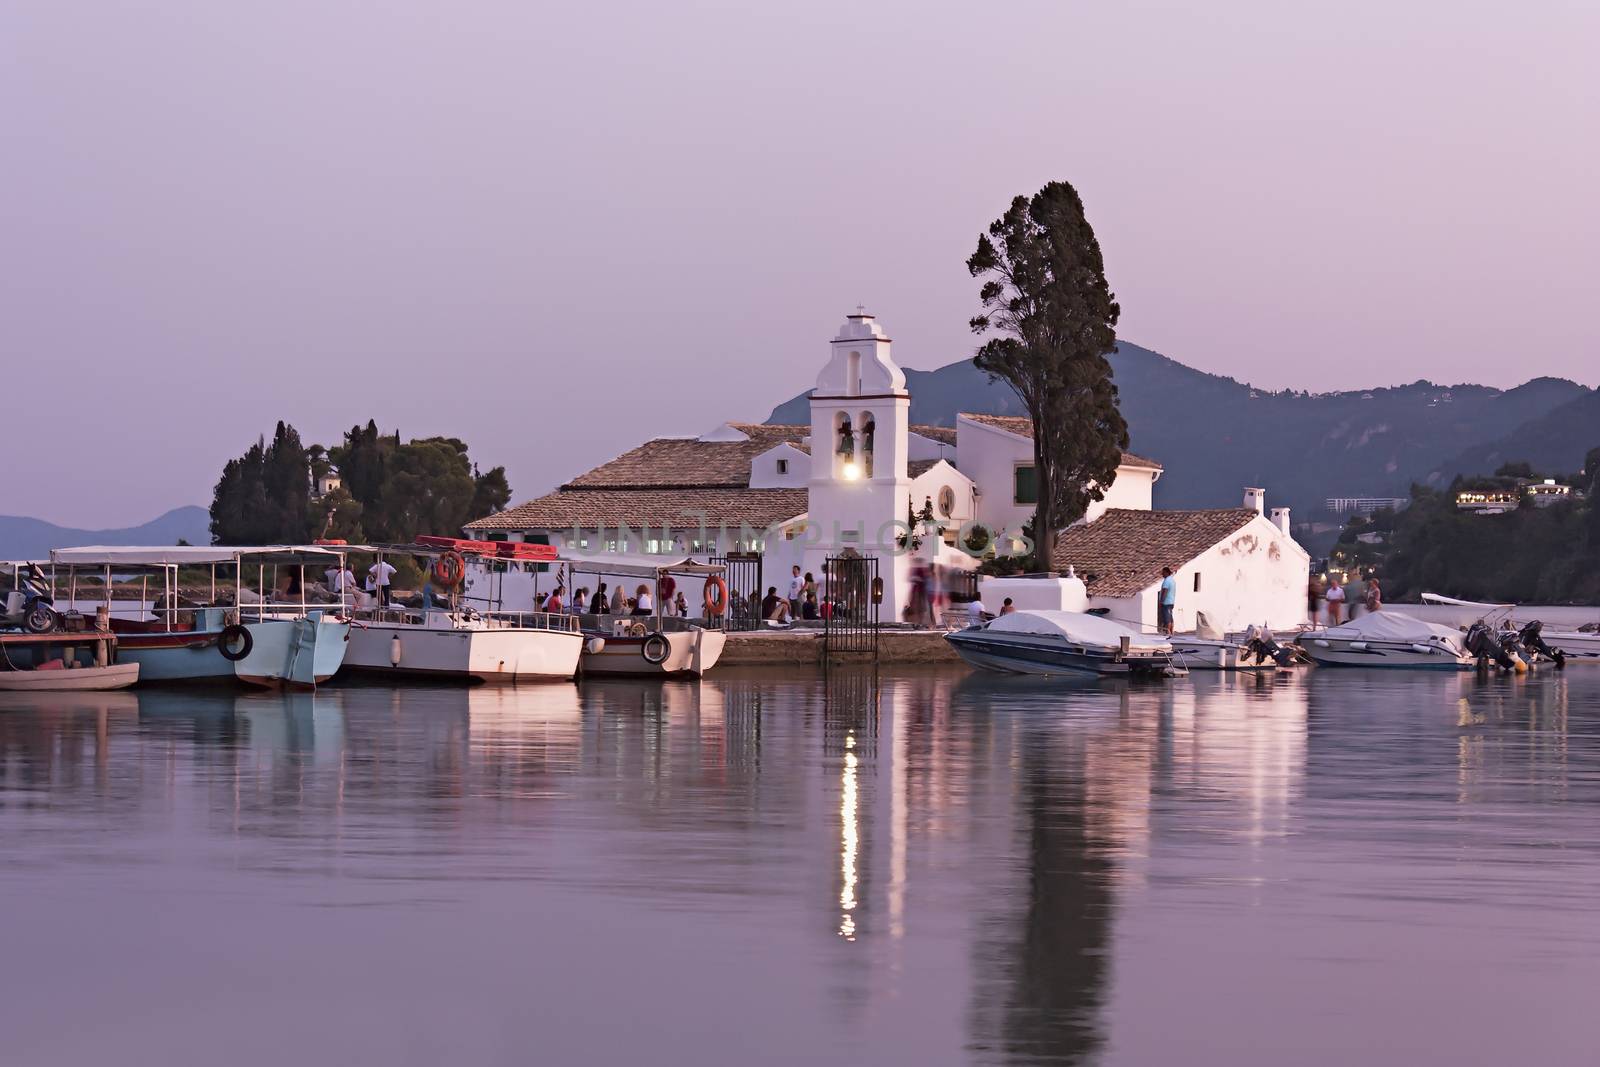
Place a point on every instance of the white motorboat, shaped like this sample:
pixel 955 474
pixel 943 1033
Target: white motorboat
pixel 1575 646
pixel 1062 642
pixel 456 640
pixel 1387 639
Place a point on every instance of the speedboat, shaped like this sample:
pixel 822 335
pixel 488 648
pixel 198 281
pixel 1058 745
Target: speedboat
pixel 176 632
pixel 1388 639
pixel 468 637
pixel 1062 642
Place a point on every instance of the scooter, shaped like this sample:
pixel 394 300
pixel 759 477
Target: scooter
pixel 29 606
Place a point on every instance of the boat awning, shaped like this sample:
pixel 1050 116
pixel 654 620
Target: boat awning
pixel 637 564
pixel 1435 598
pixel 186 555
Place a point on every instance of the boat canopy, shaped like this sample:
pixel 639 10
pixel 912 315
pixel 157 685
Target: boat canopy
pixel 1077 627
pixel 1435 598
pixel 638 564
pixel 1389 625
pixel 185 555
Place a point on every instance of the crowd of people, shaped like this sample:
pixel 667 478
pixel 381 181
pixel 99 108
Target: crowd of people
pixel 1334 602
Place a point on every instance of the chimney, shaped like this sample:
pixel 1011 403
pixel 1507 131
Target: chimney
pixel 1255 499
pixel 1280 519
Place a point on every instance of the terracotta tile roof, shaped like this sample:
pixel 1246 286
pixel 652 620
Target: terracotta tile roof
pixel 1123 551
pixel 1023 427
pixel 589 508
pixel 690 463
pixel 945 435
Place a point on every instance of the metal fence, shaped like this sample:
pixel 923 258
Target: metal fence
pixel 745 590
pixel 853 594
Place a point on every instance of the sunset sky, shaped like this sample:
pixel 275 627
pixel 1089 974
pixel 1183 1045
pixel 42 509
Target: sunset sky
pixel 555 230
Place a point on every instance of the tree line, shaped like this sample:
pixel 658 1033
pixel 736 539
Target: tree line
pixel 1539 555
pixel 391 490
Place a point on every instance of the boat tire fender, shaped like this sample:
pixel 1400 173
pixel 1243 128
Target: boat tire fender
pixel 235 634
pixel 656 649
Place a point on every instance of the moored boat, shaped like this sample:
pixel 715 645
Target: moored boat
pixel 1561 645
pixel 651 643
pixel 1387 639
pixel 270 636
pixel 66 661
pixel 457 640
pixel 1209 649
pixel 1062 642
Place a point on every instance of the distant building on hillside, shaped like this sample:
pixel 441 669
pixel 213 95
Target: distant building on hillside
pixel 1364 505
pixel 1544 493
pixel 1488 501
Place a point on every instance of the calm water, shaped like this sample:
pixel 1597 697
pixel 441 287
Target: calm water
pixel 922 869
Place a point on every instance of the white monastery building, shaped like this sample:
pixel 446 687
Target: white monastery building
pixel 848 482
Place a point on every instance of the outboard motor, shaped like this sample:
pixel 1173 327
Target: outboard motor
pixel 1482 643
pixel 1532 638
pixel 1263 646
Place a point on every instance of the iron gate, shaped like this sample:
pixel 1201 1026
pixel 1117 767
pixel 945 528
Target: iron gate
pixel 852 595
pixel 745 590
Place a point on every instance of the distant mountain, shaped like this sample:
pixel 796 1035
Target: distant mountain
pixel 1215 435
pixel 1554 442
pixel 23 538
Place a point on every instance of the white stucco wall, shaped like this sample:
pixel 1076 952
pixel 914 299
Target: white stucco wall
pixel 764 472
pixel 1257 575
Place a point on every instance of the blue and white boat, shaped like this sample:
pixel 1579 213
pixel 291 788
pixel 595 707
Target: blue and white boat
pixel 1062 642
pixel 270 635
pixel 1388 639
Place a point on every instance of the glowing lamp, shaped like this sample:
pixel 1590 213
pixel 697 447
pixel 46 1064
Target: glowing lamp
pixel 851 472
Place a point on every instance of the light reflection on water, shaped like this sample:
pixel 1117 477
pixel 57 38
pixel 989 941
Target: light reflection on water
pixel 930 868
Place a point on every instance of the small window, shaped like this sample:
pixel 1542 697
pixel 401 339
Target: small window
pixel 783 466
pixel 1026 489
pixel 947 501
pixel 1196 581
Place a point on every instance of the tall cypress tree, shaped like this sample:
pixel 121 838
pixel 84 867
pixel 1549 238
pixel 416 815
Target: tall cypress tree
pixel 1045 294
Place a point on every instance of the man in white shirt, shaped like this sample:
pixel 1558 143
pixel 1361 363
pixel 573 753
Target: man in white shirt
pixel 797 588
pixel 378 575
pixel 976 613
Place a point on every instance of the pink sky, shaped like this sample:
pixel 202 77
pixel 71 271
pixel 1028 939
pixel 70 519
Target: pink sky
pixel 554 230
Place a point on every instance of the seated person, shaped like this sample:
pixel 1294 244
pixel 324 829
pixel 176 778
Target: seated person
pixel 773 607
pixel 808 607
pixel 642 604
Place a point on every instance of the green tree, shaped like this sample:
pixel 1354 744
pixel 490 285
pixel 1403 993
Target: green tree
pixel 1045 293
pixel 262 496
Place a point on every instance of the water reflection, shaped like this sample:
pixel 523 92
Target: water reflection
pixel 922 867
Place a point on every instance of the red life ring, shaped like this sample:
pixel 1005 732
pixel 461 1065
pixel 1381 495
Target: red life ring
pixel 449 569
pixel 716 596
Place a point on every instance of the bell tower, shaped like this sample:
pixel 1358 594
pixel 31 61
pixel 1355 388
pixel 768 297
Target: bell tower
pixel 860 425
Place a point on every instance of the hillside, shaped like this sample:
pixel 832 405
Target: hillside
pixel 1556 441
pixel 24 538
pixel 1215 435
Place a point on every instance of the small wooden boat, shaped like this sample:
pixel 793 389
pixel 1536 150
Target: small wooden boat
pixel 63 661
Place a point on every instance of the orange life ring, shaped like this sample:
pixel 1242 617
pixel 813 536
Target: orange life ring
pixel 449 569
pixel 716 596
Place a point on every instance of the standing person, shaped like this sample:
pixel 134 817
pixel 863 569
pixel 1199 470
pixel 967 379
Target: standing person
pixel 1355 595
pixel 1166 601
pixel 1375 593
pixel 642 604
pixel 379 575
pixel 554 604
pixel 797 588
pixel 1335 599
pixel 810 587
pixel 580 600
pixel 1007 607
pixel 599 605
pixel 976 612
pixel 1314 599
pixel 680 606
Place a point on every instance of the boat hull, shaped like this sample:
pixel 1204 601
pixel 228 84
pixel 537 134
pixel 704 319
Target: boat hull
pixel 79 679
pixel 511 655
pixel 1026 654
pixel 1207 654
pixel 690 653
pixel 1391 657
pixel 294 653
pixel 182 656
pixel 1576 645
